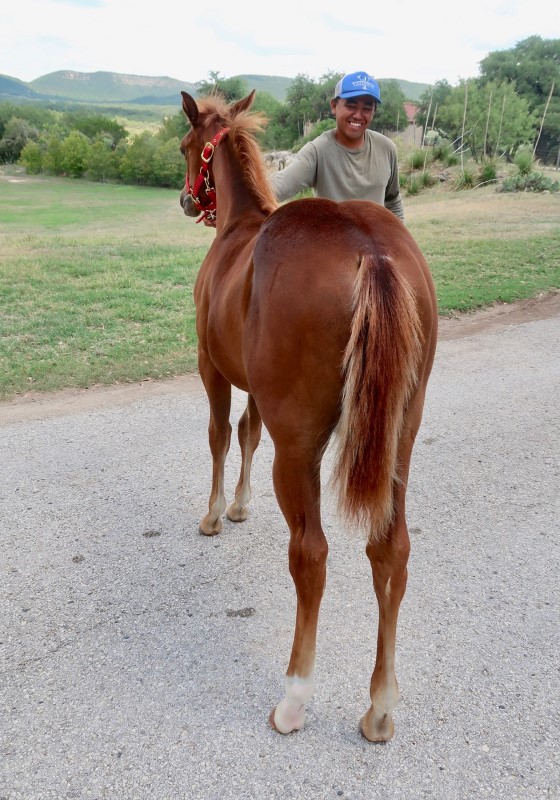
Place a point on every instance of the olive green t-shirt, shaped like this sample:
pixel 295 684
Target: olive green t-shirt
pixel 333 171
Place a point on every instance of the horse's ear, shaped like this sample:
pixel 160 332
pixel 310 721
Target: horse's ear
pixel 190 108
pixel 242 105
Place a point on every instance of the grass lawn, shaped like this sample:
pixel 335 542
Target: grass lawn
pixel 96 279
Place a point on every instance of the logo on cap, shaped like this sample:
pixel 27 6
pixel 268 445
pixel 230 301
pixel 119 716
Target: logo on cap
pixel 363 82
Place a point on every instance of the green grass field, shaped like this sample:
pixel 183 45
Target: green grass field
pixel 96 280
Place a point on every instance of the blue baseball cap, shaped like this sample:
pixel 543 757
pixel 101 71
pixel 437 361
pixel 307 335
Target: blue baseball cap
pixel 357 84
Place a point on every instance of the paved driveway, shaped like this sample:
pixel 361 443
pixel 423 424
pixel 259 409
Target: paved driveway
pixel 140 660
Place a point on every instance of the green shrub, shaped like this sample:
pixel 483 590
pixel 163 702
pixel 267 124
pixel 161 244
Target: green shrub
pixel 441 152
pixel 532 182
pixel 488 171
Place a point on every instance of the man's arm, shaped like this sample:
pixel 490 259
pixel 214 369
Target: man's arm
pixel 298 175
pixel 393 197
pixel 396 206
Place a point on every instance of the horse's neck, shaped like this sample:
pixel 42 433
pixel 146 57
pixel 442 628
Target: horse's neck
pixel 233 196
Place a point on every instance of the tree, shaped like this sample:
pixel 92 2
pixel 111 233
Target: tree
pixel 268 105
pixel 282 130
pixel 17 133
pixel 496 119
pixel 390 115
pixel 137 163
pixel 533 66
pixel 173 127
pixel 431 100
pixel 95 126
pixel 52 160
pixel 41 119
pixel 32 158
pixel 230 88
pixel 100 165
pixel 75 151
pixel 301 99
pixel 169 165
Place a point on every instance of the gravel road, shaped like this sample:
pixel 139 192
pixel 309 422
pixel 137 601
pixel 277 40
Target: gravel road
pixel 140 660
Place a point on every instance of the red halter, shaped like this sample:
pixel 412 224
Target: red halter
pixel 208 207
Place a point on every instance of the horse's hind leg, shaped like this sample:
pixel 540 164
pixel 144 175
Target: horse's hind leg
pixel 388 564
pixel 297 485
pixel 249 434
pixel 388 558
pixel 219 435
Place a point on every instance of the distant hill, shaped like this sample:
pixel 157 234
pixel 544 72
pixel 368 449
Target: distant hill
pixel 142 90
pixel 12 87
pixel 412 91
pixel 272 84
pixel 107 87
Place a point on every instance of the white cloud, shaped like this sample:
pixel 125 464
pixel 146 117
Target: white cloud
pixel 406 39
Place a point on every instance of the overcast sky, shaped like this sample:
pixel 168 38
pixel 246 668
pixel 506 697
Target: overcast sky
pixel 422 41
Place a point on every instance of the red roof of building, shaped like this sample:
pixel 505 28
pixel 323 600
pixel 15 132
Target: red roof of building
pixel 411 109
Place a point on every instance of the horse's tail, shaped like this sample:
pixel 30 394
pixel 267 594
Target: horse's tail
pixel 380 372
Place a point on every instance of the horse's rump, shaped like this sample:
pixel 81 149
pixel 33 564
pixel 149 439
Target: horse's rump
pixel 339 326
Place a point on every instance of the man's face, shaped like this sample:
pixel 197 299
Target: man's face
pixel 353 117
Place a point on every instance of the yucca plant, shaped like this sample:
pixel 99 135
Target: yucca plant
pixel 523 160
pixel 426 179
pixel 488 171
pixel 466 179
pixel 418 158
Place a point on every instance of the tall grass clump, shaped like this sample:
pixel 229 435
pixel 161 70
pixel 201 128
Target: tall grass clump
pixel 523 160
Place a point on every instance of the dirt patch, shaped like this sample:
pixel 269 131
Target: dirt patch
pixel 34 405
pixel 500 315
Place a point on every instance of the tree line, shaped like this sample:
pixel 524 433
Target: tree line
pixel 513 104
pixel 79 143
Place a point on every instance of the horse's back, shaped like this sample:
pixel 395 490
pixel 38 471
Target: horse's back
pixel 299 316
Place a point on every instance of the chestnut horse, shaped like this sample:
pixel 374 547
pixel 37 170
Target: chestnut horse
pixel 325 314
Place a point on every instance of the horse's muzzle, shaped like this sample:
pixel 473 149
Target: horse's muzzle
pixel 187 204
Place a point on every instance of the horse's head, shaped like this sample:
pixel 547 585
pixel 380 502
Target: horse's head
pixel 209 122
pixel 191 148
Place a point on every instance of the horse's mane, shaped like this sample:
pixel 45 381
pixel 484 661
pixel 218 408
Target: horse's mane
pixel 242 130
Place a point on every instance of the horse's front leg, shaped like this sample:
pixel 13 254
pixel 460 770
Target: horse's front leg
pixel 249 434
pixel 218 390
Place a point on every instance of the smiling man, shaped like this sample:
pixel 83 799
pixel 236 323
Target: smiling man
pixel 349 162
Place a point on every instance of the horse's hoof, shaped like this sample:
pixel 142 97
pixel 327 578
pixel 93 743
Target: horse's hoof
pixel 377 729
pixel 274 727
pixel 207 533
pixel 293 721
pixel 271 721
pixel 237 513
pixel 210 529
